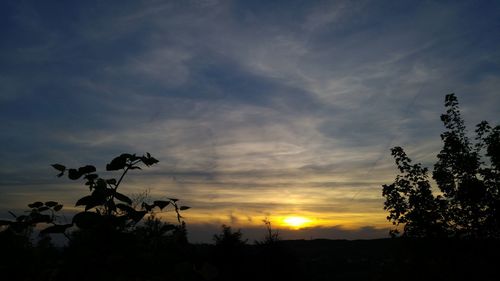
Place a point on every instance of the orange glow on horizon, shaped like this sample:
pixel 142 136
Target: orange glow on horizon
pixel 296 222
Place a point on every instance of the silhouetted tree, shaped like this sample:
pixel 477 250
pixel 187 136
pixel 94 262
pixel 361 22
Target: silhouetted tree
pixel 469 181
pixel 409 200
pixel 229 238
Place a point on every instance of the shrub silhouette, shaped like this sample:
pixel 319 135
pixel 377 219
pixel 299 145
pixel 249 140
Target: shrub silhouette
pixel 107 211
pixel 229 239
pixel 109 237
pixel 106 239
pixel 468 176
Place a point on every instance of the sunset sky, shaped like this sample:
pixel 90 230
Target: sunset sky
pixel 254 109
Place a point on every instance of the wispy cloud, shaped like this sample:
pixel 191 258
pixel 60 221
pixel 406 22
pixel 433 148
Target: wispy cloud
pixel 254 109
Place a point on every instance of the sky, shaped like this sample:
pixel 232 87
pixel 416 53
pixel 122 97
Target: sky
pixel 255 109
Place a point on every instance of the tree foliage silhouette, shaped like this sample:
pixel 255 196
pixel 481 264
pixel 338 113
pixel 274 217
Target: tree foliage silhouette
pixel 468 176
pixel 410 201
pixel 229 238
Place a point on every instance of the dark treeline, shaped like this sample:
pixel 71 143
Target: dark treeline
pixel 450 236
pixel 137 257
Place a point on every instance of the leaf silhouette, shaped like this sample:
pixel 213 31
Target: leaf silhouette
pixel 59 167
pixel 86 219
pixel 43 208
pixel 123 198
pixel 51 204
pixel 73 174
pixel 90 201
pixel 111 181
pixel 37 204
pixel 161 204
pixel 86 169
pixel 118 163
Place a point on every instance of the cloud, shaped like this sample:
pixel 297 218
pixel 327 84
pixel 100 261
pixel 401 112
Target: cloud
pixel 252 108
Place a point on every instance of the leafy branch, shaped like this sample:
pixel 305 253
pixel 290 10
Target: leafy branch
pixel 105 208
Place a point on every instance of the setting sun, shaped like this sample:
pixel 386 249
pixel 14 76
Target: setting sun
pixel 296 222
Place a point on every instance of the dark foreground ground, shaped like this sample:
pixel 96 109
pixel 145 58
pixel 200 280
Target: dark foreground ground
pixel 384 259
pixel 389 259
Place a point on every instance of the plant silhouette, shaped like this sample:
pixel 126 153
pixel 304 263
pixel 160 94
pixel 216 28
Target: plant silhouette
pixel 105 237
pixel 229 238
pixel 468 176
pixel 272 236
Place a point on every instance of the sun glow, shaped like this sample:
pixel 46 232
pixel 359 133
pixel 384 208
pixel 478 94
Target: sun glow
pixel 296 222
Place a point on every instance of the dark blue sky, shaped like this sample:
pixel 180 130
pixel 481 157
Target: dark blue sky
pixel 254 108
